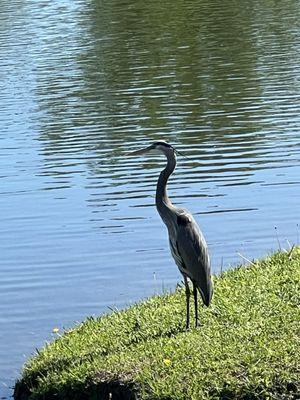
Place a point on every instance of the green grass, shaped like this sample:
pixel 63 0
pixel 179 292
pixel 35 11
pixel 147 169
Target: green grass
pixel 247 346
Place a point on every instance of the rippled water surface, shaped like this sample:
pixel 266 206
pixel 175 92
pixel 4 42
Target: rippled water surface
pixel 82 83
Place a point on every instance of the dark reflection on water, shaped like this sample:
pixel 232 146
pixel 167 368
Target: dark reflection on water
pixel 83 82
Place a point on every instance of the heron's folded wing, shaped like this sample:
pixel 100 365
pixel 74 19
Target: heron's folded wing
pixel 193 252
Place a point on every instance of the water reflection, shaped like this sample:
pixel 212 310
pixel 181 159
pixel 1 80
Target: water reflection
pixel 85 82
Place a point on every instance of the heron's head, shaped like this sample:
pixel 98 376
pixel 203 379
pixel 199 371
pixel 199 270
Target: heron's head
pixel 157 147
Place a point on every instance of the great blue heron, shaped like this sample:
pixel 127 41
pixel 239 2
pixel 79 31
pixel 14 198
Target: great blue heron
pixel 187 243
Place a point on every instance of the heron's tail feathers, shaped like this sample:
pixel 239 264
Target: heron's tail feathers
pixel 206 293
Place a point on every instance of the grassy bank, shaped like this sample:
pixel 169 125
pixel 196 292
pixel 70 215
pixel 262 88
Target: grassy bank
pixel 247 347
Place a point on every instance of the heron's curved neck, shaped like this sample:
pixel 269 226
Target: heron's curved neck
pixel 163 203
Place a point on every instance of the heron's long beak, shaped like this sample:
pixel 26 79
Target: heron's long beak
pixel 140 152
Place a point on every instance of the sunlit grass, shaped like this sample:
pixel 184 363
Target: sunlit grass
pixel 246 348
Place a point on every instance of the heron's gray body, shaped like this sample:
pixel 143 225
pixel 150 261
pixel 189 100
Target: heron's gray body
pixel 190 253
pixel 187 243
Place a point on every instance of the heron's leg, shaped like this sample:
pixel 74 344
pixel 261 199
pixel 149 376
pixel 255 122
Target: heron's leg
pixel 196 303
pixel 187 293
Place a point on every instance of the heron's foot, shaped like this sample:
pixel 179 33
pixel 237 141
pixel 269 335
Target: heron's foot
pixel 197 324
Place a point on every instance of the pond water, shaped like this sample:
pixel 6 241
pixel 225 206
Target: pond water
pixel 82 83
